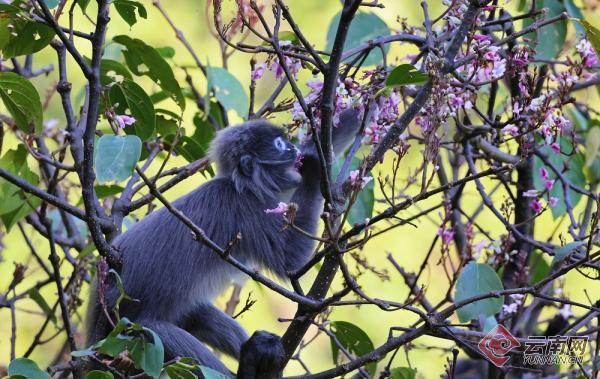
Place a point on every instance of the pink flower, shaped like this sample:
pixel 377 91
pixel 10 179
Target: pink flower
pixel 565 311
pixel 292 64
pixel 530 193
pixel 124 120
pixel 482 38
pixel 510 308
pixel 588 55
pixel 315 84
pixel 446 234
pixel 536 205
pixel 552 201
pixel 544 173
pixel 356 180
pixel 480 246
pixel 549 184
pixel 491 66
pixel 555 147
pixel 511 129
pixel 281 209
pixel 258 72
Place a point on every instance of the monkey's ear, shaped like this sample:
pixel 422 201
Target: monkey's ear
pixel 246 165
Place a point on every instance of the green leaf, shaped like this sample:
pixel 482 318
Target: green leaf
pixel 57 225
pixel 365 201
pixel 83 4
pixel 24 37
pixel 51 3
pixel 227 90
pixel 122 295
pixel 593 35
pixel 166 52
pixel 114 346
pixel 405 74
pixel 127 10
pixel 35 295
pixel 145 60
pixel 209 373
pixel 204 132
pixel 187 147
pixel 103 191
pixel 27 368
pixel 115 157
pixel 147 356
pixel 521 5
pixel 22 101
pixel 592 145
pixel 166 125
pixel 538 267
pixel 286 35
pixel 97 374
pixel 15 204
pixel 549 39
pixel 489 324
pixel 477 279
pixel 592 171
pixel 580 121
pixel 363 206
pixel 113 71
pixel 82 353
pixel 353 339
pixel 574 11
pixel 561 253
pixel 572 169
pixel 176 372
pixel 129 98
pixel 365 26
pixel 403 373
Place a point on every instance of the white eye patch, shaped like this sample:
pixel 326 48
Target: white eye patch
pixel 279 144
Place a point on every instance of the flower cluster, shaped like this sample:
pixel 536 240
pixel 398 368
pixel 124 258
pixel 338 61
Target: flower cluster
pixel 587 53
pixel 383 108
pixel 359 181
pixel 446 234
pixel 536 204
pixel 273 64
pixel 384 114
pixel 489 65
pixel 513 306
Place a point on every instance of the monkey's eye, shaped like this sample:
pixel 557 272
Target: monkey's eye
pixel 279 144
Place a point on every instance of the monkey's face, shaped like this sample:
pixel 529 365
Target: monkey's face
pixel 258 156
pixel 281 158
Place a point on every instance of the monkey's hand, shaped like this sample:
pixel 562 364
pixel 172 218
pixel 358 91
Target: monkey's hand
pixel 262 356
pixel 342 136
pixel 345 133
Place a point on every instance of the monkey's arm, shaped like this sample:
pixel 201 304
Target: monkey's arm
pixel 308 195
pixel 342 136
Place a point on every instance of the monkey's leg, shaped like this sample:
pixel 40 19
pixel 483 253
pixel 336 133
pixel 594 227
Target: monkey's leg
pixel 179 343
pixel 215 328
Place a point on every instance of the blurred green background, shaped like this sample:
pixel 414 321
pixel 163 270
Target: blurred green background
pixel 408 244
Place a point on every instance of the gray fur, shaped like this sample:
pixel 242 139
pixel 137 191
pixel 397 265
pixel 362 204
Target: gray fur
pixel 176 278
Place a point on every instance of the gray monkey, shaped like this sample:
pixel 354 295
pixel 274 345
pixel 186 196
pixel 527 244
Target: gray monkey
pixel 175 278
